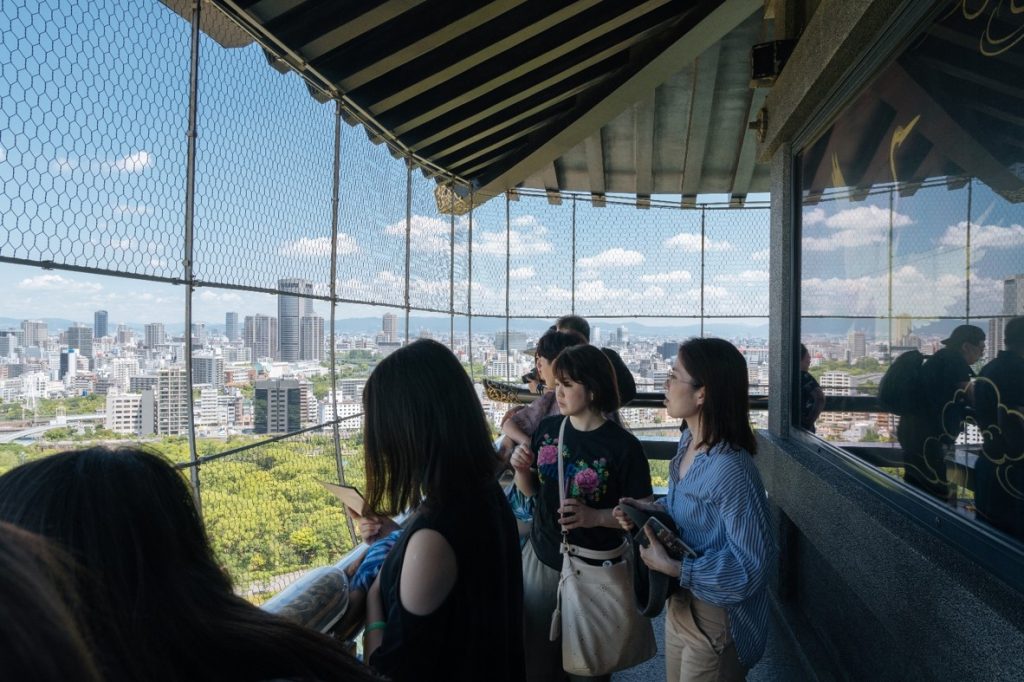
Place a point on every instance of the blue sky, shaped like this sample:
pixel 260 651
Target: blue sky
pixel 93 103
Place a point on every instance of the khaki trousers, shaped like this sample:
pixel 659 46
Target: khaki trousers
pixel 698 644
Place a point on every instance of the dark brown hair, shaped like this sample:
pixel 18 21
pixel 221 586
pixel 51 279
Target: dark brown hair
pixel 425 436
pixel 554 342
pixel 574 323
pixel 157 603
pixel 587 365
pixel 41 637
pixel 721 371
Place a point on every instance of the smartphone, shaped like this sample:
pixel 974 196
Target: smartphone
pixel 674 545
pixel 349 496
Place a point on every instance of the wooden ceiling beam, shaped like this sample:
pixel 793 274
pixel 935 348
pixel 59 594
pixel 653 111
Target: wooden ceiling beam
pixel 369 20
pixel 595 169
pixel 643 149
pixel 705 75
pixel 746 160
pixel 704 33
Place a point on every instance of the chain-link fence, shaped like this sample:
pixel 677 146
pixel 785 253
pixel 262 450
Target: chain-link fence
pixel 132 145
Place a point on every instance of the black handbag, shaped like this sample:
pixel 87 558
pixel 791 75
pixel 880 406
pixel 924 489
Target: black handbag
pixel 651 588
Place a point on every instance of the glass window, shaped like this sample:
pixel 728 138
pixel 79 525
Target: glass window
pixel 913 269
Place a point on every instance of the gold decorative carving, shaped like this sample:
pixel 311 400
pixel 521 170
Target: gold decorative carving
pixel 899 136
pixel 990 45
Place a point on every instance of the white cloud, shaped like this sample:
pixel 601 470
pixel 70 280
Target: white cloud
pixel 761 256
pixel 868 295
pixel 612 258
pixel 526 272
pixel 864 218
pixel 691 243
pixel 526 237
pixel 128 208
pixel 855 227
pixel 426 233
pixel 136 162
pixel 318 247
pixel 48 282
pixel 673 277
pixel 991 236
pixel 745 277
pixel 208 296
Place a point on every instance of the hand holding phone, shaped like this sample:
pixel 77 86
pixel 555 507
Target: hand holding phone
pixel 674 545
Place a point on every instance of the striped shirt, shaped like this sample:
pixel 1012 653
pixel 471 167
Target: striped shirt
pixel 721 509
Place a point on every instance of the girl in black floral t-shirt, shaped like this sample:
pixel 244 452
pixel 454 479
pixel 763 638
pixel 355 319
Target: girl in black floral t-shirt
pixel 603 462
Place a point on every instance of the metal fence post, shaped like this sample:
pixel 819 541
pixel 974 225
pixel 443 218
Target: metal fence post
pixel 451 273
pixel 970 208
pixel 190 199
pixel 508 284
pixel 703 214
pixel 408 242
pixel 469 292
pixel 889 309
pixel 572 305
pixel 339 460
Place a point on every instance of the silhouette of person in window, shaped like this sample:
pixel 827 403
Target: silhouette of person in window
pixel 999 405
pixel 812 398
pixel 926 434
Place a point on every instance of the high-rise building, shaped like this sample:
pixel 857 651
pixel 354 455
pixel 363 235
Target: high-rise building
pixel 172 389
pixel 857 345
pixel 622 335
pixel 124 413
pixel 994 340
pixel 208 369
pixel 79 337
pixel 33 333
pixel 231 326
pixel 8 342
pixel 390 328
pixel 68 364
pixel 140 383
pixel 514 341
pixel 277 406
pixel 125 335
pixel 122 370
pixel 199 333
pixel 901 328
pixel 595 335
pixel 311 338
pixel 99 325
pixel 259 335
pixel 155 335
pixel 1013 295
pixel 291 308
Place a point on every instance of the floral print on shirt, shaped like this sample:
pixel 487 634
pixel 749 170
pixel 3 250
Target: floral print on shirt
pixel 587 481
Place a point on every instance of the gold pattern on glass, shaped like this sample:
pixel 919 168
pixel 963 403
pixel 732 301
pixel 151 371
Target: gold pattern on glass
pixel 837 173
pixel 991 45
pixel 899 136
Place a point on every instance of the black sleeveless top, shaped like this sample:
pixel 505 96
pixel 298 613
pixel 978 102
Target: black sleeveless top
pixel 477 632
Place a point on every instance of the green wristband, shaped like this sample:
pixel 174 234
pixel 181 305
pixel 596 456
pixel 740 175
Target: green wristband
pixel 375 625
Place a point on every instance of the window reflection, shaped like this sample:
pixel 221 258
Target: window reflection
pixel 913 269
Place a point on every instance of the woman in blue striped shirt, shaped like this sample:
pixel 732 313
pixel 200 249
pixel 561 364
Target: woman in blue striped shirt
pixel 716 626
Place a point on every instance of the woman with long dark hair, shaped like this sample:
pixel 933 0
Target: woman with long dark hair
pixel 41 636
pixel 716 626
pixel 448 600
pixel 154 599
pixel 602 462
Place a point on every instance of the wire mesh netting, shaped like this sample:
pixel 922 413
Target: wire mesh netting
pixel 92 122
pixel 371 267
pixel 430 266
pixel 264 161
pixel 540 257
